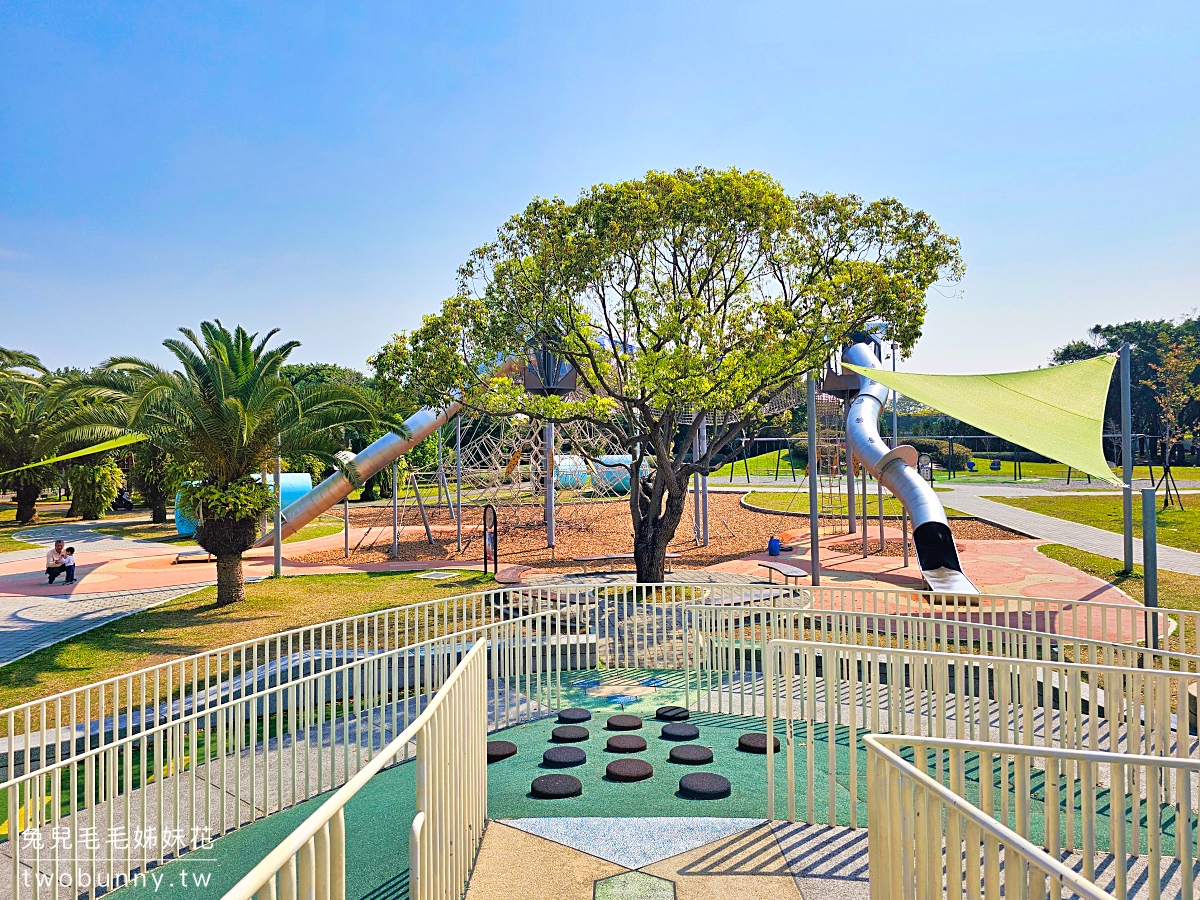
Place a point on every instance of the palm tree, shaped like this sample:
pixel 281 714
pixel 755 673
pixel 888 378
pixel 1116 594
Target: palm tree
pixel 30 413
pixel 222 417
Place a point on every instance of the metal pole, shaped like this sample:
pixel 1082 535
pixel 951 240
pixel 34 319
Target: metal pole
pixel 696 488
pixel 895 418
pixel 814 534
pixel 346 523
pixel 704 481
pixel 904 532
pixel 864 508
pixel 395 508
pixel 278 510
pixel 550 485
pixel 1126 458
pixel 1150 560
pixel 879 485
pixel 852 510
pixel 439 468
pixel 458 477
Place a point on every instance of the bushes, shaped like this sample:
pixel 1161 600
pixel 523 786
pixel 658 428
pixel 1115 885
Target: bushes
pixel 939 451
pixel 94 488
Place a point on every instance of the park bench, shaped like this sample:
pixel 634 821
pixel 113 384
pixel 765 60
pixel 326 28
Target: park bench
pixel 613 558
pixel 193 556
pixel 783 569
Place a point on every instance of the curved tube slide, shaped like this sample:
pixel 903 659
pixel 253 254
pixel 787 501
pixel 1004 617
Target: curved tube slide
pixel 895 469
pixel 374 459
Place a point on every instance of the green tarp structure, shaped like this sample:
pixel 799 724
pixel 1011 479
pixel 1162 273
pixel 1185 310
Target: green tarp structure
pixel 1057 412
pixel 114 444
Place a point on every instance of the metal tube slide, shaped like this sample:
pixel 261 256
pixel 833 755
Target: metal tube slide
pixel 896 470
pixel 376 457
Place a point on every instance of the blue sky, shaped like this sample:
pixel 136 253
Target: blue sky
pixel 325 168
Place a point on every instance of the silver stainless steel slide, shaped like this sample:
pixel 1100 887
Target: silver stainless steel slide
pixel 375 458
pixel 896 470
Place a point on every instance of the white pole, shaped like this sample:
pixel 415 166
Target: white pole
pixel 1126 458
pixel 1150 560
pixel 814 534
pixel 458 477
pixel 696 488
pixel 278 509
pixel 346 522
pixel 550 485
pixel 395 508
pixel 704 482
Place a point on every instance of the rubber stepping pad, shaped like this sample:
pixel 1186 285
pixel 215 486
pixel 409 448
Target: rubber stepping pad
pixel 569 734
pixel 755 743
pixel 574 716
pixel 628 770
pixel 671 714
pixel 498 750
pixel 623 723
pixel 562 757
pixel 691 755
pixel 704 786
pixel 555 787
pixel 626 743
pixel 680 731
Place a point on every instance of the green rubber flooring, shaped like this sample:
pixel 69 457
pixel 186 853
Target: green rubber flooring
pixel 379 818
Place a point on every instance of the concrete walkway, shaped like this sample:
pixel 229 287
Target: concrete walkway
pixel 968 499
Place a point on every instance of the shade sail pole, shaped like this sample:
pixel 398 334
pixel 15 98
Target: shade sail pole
pixel 1126 458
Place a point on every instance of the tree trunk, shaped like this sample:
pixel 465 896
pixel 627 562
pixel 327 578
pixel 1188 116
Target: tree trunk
pixel 158 513
pixel 653 532
pixel 231 586
pixel 368 489
pixel 27 504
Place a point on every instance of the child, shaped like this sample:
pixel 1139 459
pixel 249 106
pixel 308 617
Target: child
pixel 68 560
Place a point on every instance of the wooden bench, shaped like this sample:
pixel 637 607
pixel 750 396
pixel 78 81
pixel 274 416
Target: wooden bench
pixel 613 558
pixel 193 556
pixel 783 569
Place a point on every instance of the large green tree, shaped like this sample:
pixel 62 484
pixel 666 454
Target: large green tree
pixel 222 416
pixel 680 296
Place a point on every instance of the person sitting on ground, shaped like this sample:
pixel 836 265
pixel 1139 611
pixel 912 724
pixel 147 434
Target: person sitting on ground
pixel 69 564
pixel 54 562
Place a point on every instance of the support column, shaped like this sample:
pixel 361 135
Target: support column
pixel 458 477
pixel 549 440
pixel 814 535
pixel 395 508
pixel 696 489
pixel 864 509
pixel 704 482
pixel 346 523
pixel 278 510
pixel 851 511
pixel 1126 459
pixel 879 485
pixel 1150 562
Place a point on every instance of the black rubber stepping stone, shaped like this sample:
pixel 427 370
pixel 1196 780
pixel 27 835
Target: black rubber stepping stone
pixel 704 786
pixel 755 743
pixel 563 757
pixel 628 770
pixel 671 714
pixel 691 755
pixel 498 750
pixel 555 787
pixel 569 734
pixel 574 716
pixel 623 723
pixel 626 743
pixel 680 731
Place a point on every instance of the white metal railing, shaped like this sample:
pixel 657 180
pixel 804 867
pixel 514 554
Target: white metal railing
pixel 174 785
pixel 833 695
pixel 927 839
pixel 727 645
pixel 451 737
pixel 1177 630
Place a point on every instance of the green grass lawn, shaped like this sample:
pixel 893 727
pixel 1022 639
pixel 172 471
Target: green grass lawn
pixel 797 502
pixel 165 533
pixel 764 464
pixel 194 623
pixel 1176 528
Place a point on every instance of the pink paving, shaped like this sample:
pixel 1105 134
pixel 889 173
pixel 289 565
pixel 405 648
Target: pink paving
pixel 1012 568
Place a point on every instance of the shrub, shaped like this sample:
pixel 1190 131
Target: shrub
pixel 94 488
pixel 939 451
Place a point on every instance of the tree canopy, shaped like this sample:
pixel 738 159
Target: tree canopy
pixel 687 294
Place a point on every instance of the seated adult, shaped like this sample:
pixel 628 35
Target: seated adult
pixel 55 562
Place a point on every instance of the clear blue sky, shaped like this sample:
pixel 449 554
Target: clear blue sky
pixel 325 169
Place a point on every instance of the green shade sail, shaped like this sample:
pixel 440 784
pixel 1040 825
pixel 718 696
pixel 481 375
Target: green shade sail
pixel 86 451
pixel 1057 412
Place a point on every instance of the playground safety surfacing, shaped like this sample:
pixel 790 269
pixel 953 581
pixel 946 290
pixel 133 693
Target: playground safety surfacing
pixel 637 840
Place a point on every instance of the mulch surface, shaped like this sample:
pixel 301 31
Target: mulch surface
pixel 584 529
